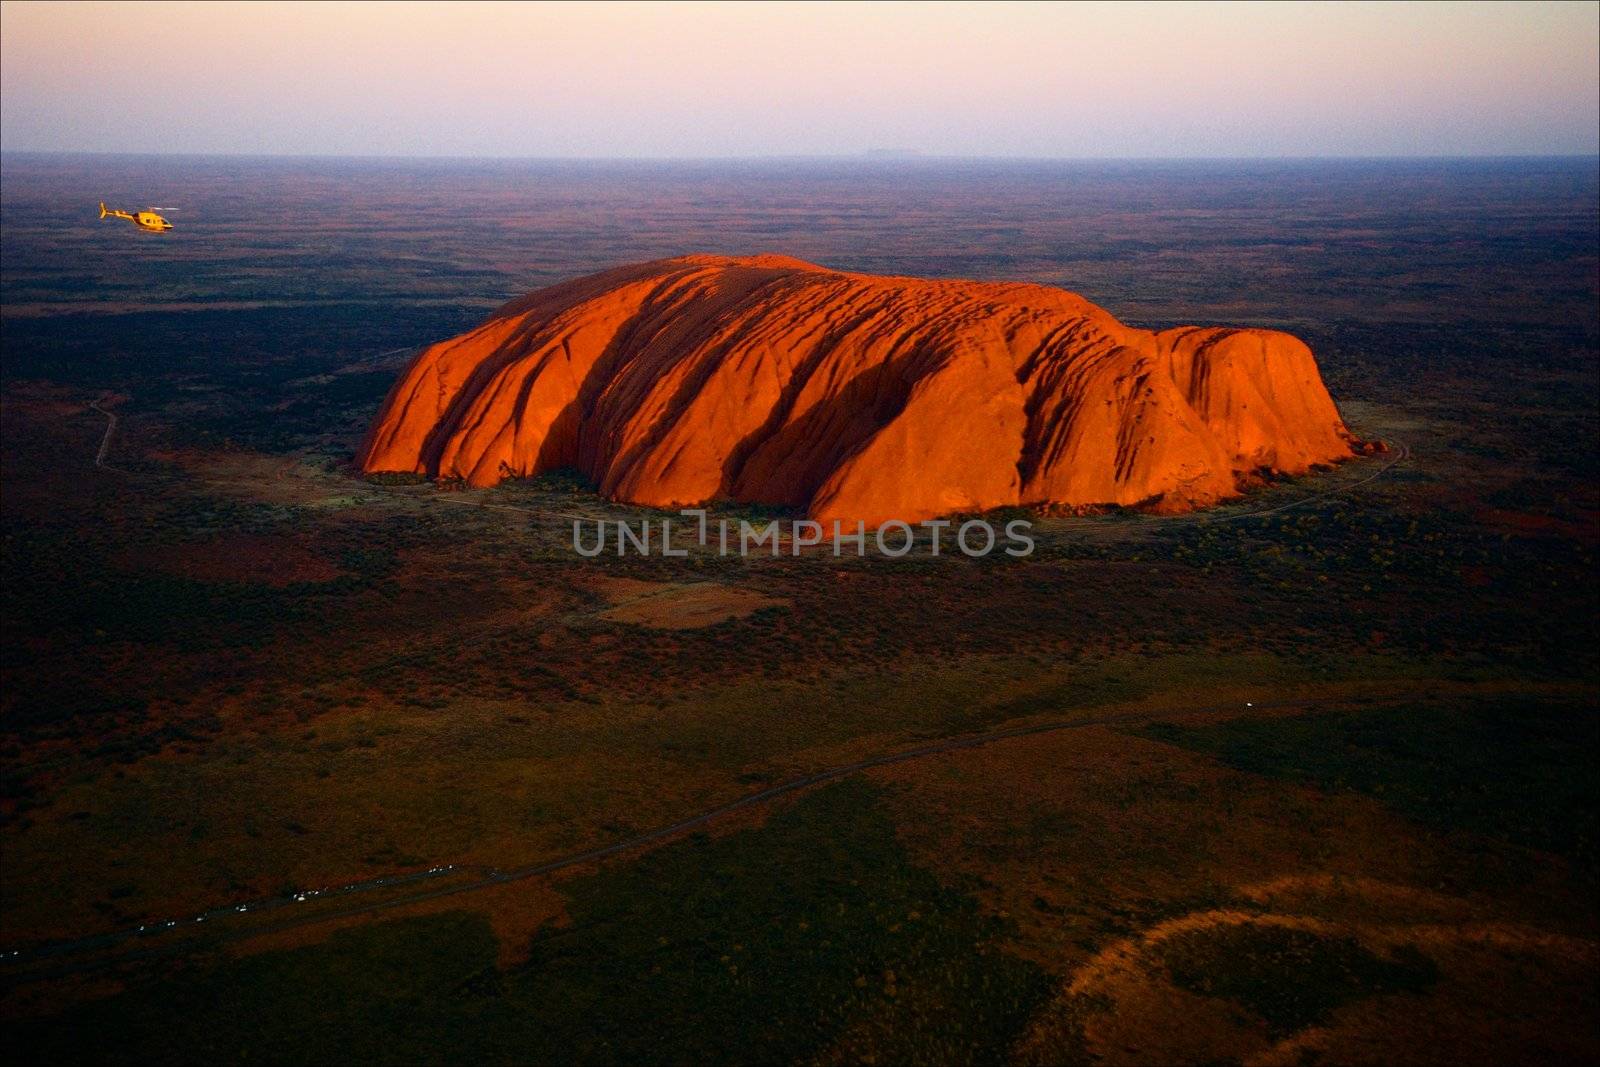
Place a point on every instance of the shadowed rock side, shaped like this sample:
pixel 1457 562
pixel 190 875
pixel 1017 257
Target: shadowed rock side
pixel 769 380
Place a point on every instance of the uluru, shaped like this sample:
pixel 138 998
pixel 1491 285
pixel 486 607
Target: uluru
pixel 769 380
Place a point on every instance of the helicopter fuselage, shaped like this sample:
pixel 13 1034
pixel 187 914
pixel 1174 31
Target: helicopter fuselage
pixel 145 220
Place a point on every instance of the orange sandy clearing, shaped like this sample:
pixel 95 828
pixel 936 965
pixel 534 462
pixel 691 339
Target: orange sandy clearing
pixel 854 397
pixel 679 605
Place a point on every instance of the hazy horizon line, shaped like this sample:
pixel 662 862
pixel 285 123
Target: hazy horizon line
pixel 866 156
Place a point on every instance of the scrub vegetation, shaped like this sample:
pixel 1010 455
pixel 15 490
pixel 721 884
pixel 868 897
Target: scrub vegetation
pixel 1323 796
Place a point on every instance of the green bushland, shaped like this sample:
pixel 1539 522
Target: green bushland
pixel 569 480
pixel 395 478
pixel 1290 978
pixel 1503 768
pixel 773 944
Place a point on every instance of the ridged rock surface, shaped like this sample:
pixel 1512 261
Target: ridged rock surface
pixel 855 397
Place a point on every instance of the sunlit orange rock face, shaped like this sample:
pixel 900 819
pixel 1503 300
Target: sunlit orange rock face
pixel 853 397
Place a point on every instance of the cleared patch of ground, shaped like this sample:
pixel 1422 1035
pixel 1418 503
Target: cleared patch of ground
pixel 1280 987
pixel 679 605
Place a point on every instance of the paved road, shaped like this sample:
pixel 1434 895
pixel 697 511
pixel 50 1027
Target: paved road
pixel 105 442
pixel 1399 451
pixel 482 878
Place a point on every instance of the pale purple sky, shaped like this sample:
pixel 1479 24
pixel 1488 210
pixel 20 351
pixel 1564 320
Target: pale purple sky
pixel 705 80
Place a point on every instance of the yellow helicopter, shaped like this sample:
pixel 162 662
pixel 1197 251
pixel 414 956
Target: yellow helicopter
pixel 145 220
